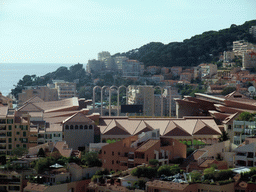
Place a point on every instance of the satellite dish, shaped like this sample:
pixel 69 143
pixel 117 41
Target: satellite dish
pixel 251 89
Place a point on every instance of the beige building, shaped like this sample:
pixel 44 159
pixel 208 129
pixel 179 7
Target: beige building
pixel 43 92
pixel 14 130
pixel 65 89
pixel 142 95
pixel 208 70
pixel 249 59
pixel 228 56
pixel 240 47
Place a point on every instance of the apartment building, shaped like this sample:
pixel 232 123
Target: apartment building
pixel 249 59
pixel 208 70
pixel 139 149
pixel 132 68
pixel 95 66
pixel 252 31
pixel 240 47
pixel 14 130
pixel 228 56
pixel 176 71
pixel 43 92
pixel 65 89
pixel 142 95
pixel 5 101
pixel 242 130
pixel 246 153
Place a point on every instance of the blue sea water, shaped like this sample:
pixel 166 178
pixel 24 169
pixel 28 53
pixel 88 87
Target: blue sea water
pixel 11 73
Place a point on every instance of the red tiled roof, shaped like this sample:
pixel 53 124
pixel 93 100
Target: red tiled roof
pixel 147 145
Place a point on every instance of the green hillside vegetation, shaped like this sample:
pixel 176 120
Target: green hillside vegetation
pixel 191 52
pixel 62 73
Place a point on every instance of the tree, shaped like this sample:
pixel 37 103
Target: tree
pixel 19 151
pixel 245 116
pixel 195 176
pixel 91 159
pixel 228 90
pixel 41 153
pixel 153 162
pixel 224 136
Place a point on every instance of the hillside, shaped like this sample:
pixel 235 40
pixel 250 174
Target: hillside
pixel 191 52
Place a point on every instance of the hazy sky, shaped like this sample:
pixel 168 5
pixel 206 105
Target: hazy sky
pixel 72 31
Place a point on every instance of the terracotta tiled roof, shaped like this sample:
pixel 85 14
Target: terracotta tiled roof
pixel 30 107
pixel 167 185
pixel 62 147
pixel 78 118
pixel 168 127
pixel 34 99
pixel 35 187
pixel 59 105
pixel 147 145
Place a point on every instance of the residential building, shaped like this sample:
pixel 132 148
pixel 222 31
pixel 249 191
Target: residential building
pixel 120 62
pixel 65 89
pixel 103 55
pixel 249 59
pixel 158 185
pixel 14 129
pixel 252 31
pixel 176 71
pixel 228 56
pixel 241 130
pixel 5 101
pixel 12 181
pixel 138 149
pixel 208 70
pixel 186 76
pixel 142 95
pixel 240 47
pixel 157 78
pixel 246 153
pixel 45 93
pixel 132 68
pixel 95 66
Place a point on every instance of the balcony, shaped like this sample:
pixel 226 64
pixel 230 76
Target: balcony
pixel 238 130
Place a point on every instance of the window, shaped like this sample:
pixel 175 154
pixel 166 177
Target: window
pixel 104 152
pixel 76 126
pixel 10 147
pixel 81 126
pixel 9 121
pixel 71 127
pixel 86 127
pixel 10 127
pixel 10 140
pixel 113 161
pixel 17 145
pixel 113 153
pixel 90 126
pixel 66 127
pixel 24 146
pixel 24 134
pixel 118 153
pixel 9 134
pixel 17 133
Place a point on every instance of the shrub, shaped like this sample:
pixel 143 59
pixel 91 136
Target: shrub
pixel 153 162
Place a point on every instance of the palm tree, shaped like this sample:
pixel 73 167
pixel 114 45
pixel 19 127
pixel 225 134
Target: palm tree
pixel 224 136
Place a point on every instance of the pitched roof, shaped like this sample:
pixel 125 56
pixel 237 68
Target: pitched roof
pixel 34 99
pixel 115 128
pixel 78 118
pixel 63 149
pixel 30 107
pixel 35 187
pixel 147 145
pixel 143 127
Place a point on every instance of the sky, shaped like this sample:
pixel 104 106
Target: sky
pixel 72 31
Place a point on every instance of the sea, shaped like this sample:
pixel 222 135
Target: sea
pixel 11 73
